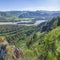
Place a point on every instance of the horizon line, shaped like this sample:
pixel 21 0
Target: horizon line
pixel 27 10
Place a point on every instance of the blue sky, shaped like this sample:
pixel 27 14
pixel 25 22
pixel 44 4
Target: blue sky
pixel 51 5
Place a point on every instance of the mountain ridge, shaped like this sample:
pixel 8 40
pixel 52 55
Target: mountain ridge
pixel 28 15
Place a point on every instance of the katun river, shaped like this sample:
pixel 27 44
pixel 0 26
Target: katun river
pixel 25 23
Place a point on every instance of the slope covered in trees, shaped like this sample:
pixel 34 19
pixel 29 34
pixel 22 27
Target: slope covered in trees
pixel 36 42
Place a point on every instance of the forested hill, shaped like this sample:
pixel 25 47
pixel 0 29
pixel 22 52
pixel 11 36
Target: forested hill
pixel 49 25
pixel 33 43
pixel 27 15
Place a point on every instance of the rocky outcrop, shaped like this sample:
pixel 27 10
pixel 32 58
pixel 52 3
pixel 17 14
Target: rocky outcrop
pixel 9 52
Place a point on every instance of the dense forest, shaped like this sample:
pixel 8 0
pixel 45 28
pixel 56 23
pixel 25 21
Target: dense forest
pixel 40 42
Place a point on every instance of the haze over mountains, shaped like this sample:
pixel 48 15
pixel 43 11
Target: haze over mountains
pixel 29 29
pixel 28 15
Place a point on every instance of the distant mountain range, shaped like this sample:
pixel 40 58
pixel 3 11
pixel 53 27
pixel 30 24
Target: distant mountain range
pixel 36 15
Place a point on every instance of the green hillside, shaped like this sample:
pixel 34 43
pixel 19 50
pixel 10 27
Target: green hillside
pixel 40 42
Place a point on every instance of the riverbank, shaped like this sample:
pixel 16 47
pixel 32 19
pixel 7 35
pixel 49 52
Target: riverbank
pixel 25 23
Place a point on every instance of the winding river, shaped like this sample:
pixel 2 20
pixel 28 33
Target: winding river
pixel 25 23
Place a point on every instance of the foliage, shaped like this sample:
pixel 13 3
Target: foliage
pixel 37 43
